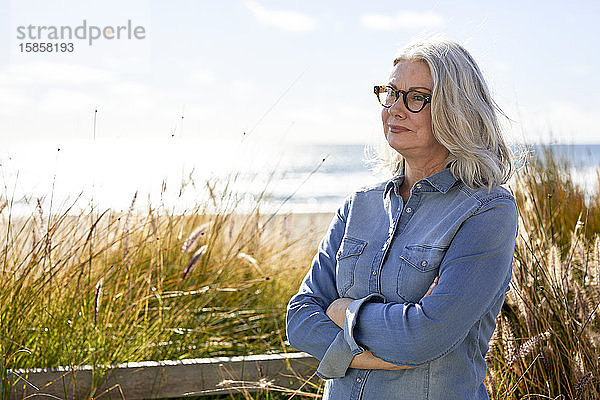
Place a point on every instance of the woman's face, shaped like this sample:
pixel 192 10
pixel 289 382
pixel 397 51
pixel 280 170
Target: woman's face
pixel 410 133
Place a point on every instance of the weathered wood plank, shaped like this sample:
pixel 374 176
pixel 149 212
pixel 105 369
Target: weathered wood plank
pixel 165 379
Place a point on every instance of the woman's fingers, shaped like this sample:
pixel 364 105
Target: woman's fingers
pixel 433 284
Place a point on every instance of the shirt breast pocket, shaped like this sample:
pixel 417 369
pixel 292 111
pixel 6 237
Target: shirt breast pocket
pixel 419 265
pixel 347 257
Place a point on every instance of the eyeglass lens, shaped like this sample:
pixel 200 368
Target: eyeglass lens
pixel 413 100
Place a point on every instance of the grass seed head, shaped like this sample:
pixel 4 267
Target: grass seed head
pixel 194 260
pixel 191 241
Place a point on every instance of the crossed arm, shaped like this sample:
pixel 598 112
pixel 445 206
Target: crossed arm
pixel 365 360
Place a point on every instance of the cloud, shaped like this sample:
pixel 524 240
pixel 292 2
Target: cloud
pixel 66 102
pixel 243 88
pixel 404 20
pixel 48 73
pixel 131 89
pixel 12 100
pixel 202 77
pixel 287 20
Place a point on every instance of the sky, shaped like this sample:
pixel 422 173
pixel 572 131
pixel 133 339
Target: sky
pixel 283 71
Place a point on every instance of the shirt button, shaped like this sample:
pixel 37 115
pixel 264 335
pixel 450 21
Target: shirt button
pixel 424 263
pixel 374 273
pixel 358 380
pixel 419 186
pixel 409 210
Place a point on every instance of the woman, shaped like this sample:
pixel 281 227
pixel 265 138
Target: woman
pixel 401 298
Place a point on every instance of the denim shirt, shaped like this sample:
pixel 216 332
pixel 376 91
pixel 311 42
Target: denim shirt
pixel 385 254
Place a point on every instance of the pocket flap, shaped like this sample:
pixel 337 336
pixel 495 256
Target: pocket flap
pixel 423 258
pixel 351 247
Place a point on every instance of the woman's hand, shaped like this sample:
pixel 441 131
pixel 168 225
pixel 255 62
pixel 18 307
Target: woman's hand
pixel 366 360
pixel 337 310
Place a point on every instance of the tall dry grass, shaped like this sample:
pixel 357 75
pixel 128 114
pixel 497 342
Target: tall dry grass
pixel 104 287
pixel 547 344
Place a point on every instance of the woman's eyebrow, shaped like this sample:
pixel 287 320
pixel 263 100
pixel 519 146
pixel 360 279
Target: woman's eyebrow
pixel 411 88
pixel 419 87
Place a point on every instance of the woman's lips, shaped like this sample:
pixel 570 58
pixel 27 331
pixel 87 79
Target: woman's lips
pixel 397 129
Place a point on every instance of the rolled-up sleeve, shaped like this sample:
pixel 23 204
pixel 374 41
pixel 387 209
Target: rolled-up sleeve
pixel 473 274
pixel 308 328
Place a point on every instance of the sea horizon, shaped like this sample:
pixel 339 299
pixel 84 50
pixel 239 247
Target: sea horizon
pixel 175 172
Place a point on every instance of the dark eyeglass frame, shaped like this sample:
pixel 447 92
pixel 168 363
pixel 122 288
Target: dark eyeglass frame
pixel 377 91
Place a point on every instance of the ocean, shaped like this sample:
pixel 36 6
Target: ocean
pixel 179 175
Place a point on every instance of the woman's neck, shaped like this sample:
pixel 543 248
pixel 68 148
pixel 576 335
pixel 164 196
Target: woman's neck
pixel 414 172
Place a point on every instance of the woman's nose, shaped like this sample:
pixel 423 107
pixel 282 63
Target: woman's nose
pixel 398 109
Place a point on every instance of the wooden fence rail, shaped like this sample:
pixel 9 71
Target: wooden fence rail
pixel 167 379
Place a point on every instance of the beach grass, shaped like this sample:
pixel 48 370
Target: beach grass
pixel 547 344
pixel 103 287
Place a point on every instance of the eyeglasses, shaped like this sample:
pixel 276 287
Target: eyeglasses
pixel 414 100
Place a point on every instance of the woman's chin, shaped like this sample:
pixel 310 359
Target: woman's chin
pixel 396 144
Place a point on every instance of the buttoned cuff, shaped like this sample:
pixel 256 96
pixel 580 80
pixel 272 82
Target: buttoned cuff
pixel 351 318
pixel 336 360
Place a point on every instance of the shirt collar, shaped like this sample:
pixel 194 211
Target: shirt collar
pixel 394 184
pixel 441 181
